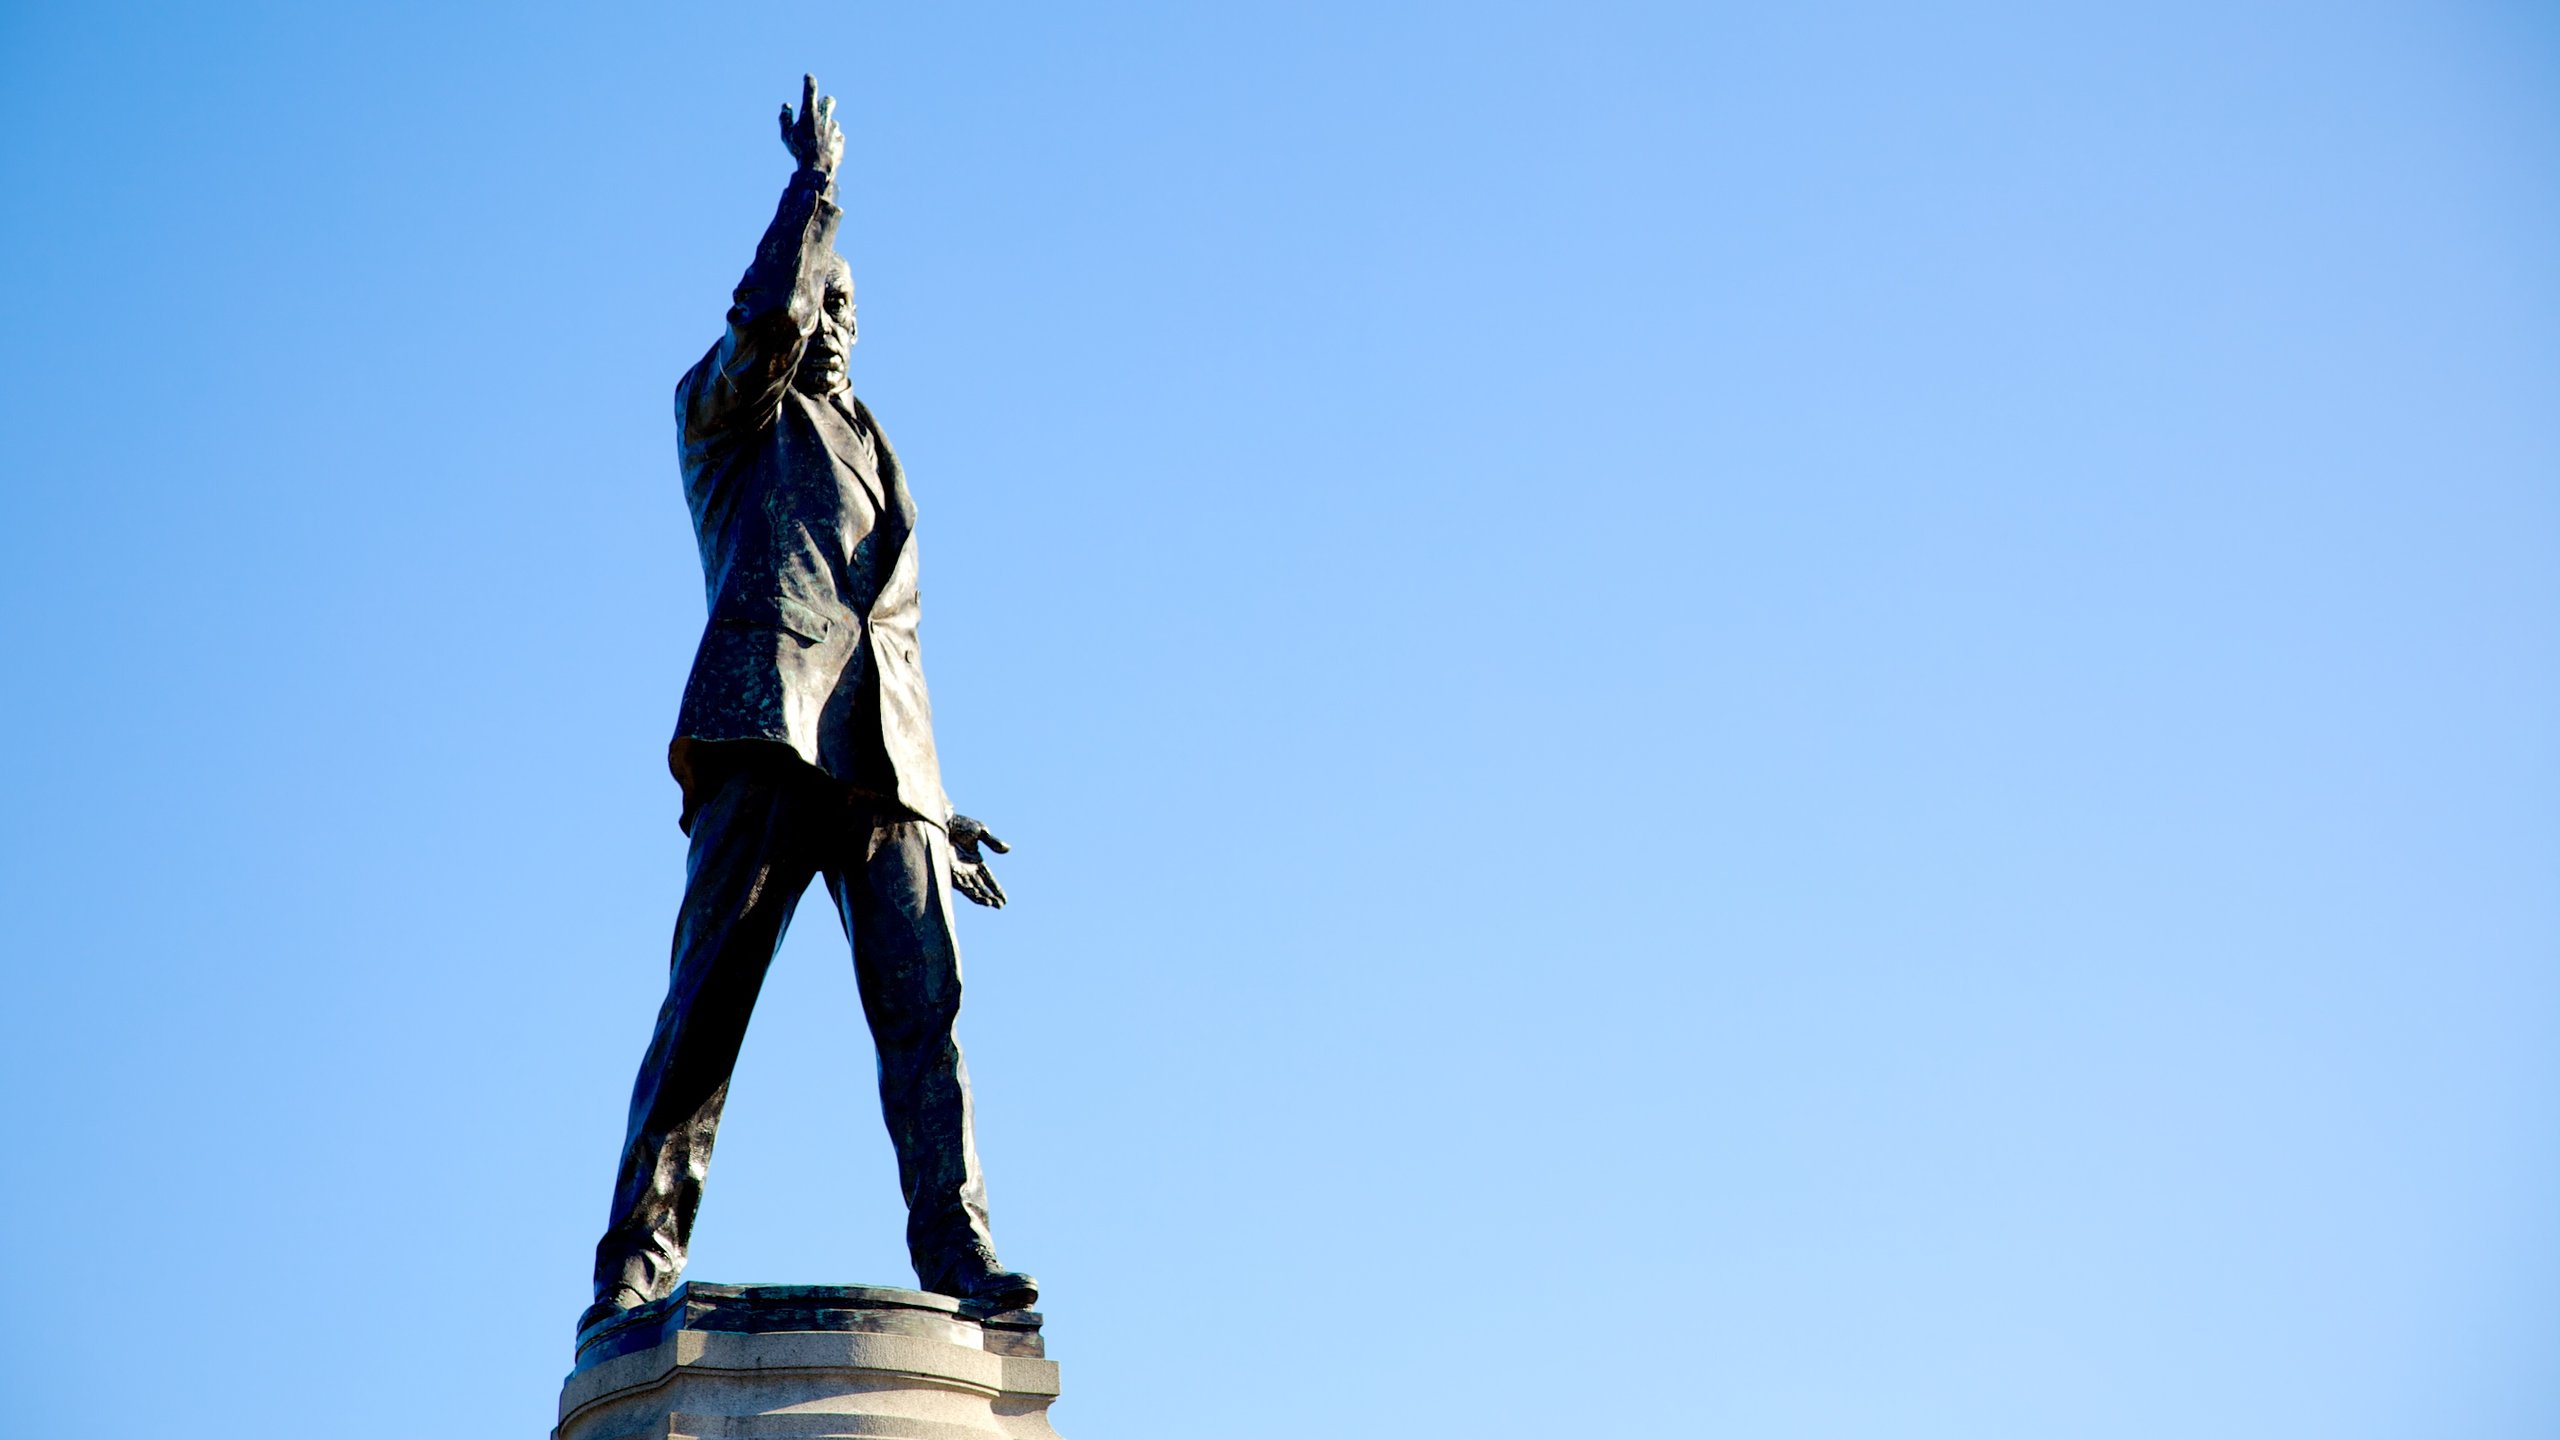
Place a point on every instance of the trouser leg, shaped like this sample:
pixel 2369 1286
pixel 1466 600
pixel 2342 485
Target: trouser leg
pixel 896 902
pixel 749 862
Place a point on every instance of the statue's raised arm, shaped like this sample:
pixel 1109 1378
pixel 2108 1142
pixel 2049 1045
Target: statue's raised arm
pixel 784 299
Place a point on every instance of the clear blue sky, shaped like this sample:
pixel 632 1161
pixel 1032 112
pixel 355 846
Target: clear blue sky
pixel 1827 720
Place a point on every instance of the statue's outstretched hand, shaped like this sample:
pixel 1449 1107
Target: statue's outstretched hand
pixel 969 870
pixel 813 139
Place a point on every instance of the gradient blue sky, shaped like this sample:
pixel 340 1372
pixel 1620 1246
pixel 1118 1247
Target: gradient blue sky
pixel 1831 720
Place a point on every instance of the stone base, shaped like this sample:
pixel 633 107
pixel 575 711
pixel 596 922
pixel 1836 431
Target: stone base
pixel 809 1362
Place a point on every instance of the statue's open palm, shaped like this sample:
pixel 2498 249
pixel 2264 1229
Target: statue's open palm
pixel 969 872
pixel 813 138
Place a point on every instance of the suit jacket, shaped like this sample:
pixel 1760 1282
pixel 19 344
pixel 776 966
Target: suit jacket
pixel 807 534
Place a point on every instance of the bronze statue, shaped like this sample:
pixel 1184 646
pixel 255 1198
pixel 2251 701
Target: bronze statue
pixel 804 748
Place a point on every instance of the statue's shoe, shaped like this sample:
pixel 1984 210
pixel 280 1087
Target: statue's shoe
pixel 612 1303
pixel 991 1291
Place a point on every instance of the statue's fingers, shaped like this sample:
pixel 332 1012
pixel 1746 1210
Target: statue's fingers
pixel 826 110
pixel 786 124
pixel 808 96
pixel 988 838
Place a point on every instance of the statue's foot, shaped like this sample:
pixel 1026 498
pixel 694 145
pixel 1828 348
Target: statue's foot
pixel 984 1288
pixel 613 1302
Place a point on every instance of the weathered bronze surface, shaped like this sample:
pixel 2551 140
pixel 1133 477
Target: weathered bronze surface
pixel 804 748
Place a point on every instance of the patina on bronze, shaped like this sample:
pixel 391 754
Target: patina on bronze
pixel 804 748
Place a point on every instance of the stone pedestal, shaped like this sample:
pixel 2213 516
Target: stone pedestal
pixel 809 1362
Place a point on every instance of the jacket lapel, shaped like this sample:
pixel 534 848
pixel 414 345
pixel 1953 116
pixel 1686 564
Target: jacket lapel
pixel 893 476
pixel 893 484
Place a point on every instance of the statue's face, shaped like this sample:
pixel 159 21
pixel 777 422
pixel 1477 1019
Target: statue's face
pixel 822 364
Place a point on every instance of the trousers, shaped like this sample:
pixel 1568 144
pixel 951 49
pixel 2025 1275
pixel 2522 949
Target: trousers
pixel 767 827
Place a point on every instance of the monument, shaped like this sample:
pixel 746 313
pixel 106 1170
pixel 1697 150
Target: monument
pixel 804 748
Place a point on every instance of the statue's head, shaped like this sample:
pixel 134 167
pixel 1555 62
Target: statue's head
pixel 821 369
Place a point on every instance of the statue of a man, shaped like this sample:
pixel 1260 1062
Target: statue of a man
pixel 805 748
